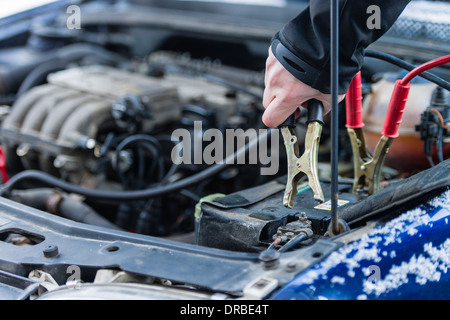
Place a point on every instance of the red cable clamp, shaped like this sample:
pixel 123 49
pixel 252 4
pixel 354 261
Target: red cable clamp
pixel 396 108
pixel 353 103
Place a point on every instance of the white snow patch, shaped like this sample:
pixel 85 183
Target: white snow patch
pixel 426 267
pixel 442 201
pixel 337 279
pixel 367 249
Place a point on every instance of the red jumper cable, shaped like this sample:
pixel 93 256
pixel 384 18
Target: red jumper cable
pixel 367 168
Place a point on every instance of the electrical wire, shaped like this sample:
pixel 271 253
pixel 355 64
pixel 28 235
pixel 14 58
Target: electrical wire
pixel 400 96
pixel 293 242
pixel 416 72
pixel 424 67
pixel 149 143
pixel 441 119
pixel 407 66
pixel 439 141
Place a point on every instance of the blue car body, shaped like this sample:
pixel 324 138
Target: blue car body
pixel 406 258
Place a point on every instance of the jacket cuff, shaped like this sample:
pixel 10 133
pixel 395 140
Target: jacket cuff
pixel 316 78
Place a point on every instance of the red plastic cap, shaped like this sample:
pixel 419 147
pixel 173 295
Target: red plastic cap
pixel 395 109
pixel 353 103
pixel 3 172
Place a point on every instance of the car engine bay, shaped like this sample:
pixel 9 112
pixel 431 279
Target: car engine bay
pixel 88 181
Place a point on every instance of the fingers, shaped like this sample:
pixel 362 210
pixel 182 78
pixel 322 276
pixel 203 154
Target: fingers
pixel 281 105
pixel 277 112
pixel 284 94
pixel 268 97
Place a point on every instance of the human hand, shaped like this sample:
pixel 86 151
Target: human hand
pixel 284 94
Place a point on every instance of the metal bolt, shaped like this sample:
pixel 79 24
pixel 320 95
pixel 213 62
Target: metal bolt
pixel 269 258
pixel 90 144
pixel 291 266
pixel 22 150
pixel 303 218
pixel 289 234
pixel 50 251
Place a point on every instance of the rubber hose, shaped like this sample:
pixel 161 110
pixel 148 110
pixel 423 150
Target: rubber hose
pixel 68 207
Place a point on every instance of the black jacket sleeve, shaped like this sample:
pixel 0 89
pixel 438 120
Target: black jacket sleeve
pixel 303 45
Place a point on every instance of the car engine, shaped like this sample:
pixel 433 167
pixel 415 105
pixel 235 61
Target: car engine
pixel 109 128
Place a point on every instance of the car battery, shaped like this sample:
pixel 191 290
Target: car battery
pixel 248 220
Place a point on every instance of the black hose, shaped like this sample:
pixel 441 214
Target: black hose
pixel 407 66
pixel 141 168
pixel 39 74
pixel 67 207
pixel 13 77
pixel 121 196
pixel 232 85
